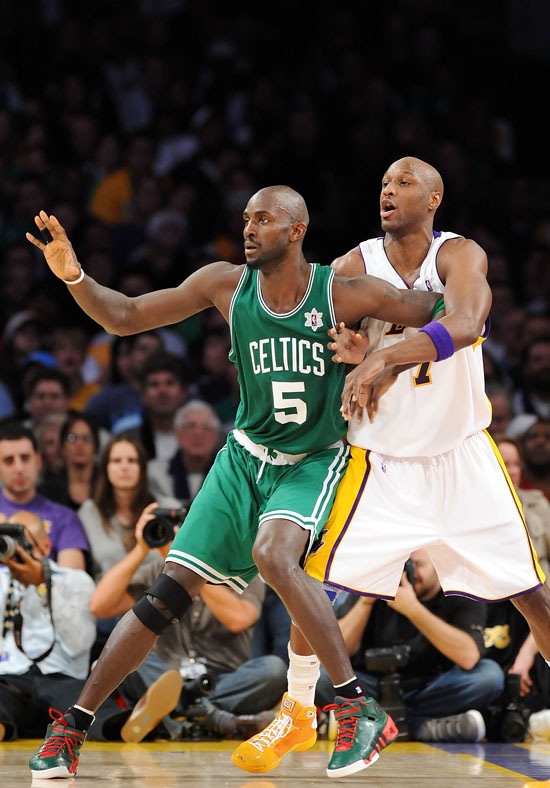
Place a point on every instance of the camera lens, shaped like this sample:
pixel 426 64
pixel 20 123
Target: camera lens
pixel 158 532
pixel 7 546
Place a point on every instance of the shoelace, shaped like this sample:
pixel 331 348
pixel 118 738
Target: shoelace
pixel 275 730
pixel 53 744
pixel 347 723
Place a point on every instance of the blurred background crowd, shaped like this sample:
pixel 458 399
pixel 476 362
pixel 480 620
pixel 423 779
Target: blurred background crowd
pixel 145 125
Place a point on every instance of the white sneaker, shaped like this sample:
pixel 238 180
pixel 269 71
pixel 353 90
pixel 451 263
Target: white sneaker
pixel 539 725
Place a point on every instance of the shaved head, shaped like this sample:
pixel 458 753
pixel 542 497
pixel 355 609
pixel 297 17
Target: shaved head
pixel 423 171
pixel 286 199
pixel 34 525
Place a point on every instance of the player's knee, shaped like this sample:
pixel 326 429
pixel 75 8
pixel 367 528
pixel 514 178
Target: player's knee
pixel 164 603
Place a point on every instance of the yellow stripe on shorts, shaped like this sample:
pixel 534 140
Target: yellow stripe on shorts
pixel 540 574
pixel 343 509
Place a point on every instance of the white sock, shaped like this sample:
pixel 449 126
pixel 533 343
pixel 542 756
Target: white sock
pixel 303 673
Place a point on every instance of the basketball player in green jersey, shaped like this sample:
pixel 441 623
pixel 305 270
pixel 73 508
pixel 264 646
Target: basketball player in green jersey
pixel 271 488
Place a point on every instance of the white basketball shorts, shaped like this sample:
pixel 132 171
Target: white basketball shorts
pixel 461 506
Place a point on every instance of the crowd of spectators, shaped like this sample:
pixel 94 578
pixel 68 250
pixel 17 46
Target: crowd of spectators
pixel 146 128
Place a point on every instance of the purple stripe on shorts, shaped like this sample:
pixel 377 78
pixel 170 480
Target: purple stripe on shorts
pixel 350 516
pixel 490 601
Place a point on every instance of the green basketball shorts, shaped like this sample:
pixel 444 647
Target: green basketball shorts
pixel 241 492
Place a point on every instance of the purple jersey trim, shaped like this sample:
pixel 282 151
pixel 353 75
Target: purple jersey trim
pixel 437 234
pixel 486 328
pixel 349 518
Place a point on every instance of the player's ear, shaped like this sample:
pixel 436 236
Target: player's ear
pixel 298 231
pixel 435 201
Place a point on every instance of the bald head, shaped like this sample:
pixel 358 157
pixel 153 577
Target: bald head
pixel 34 525
pixel 421 170
pixel 285 199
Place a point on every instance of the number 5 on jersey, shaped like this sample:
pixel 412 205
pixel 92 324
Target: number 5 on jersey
pixel 283 403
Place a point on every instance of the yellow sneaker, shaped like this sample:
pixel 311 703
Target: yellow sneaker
pixel 294 728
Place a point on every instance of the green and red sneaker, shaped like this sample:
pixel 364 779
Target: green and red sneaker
pixel 58 754
pixel 364 729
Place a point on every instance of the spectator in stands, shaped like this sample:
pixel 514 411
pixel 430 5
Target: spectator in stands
pixel 164 387
pixel 198 431
pixel 445 682
pixel 48 438
pixel 52 658
pixel 535 444
pixel 507 637
pixel 69 346
pixel 212 638
pixel 533 395
pixel 20 465
pixel 21 337
pixel 47 391
pixel 536 507
pixel 121 491
pixel 111 198
pixel 74 481
pixel 215 383
pixel 118 405
pixel 501 407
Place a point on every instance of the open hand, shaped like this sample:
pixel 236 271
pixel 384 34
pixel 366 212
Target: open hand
pixel 349 346
pixel 59 252
pixel 357 389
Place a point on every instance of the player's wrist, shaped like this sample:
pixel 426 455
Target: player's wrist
pixel 441 339
pixel 76 281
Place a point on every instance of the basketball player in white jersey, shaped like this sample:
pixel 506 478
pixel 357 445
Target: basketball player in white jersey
pixel 423 472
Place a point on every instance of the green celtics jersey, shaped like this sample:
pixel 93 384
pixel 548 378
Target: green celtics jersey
pixel 290 387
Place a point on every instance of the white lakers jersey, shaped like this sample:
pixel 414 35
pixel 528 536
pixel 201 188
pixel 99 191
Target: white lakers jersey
pixel 433 407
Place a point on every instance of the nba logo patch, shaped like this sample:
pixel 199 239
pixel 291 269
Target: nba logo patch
pixel 383 467
pixel 429 286
pixel 314 319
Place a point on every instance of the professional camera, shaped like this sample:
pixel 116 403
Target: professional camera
pixel 13 535
pixel 195 688
pixel 509 720
pixel 409 571
pixel 387 662
pixel 160 530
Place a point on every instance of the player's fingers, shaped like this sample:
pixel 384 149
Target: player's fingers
pixel 39 223
pixel 56 228
pixel 35 241
pixel 331 332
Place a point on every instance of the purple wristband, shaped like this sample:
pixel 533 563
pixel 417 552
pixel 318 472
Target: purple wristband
pixel 441 338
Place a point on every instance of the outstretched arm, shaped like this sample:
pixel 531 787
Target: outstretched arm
pixel 212 285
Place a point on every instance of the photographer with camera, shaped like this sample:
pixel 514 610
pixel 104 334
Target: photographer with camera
pixel 47 629
pixel 224 693
pixel 435 642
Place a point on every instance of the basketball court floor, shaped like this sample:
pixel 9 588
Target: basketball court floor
pixel 208 765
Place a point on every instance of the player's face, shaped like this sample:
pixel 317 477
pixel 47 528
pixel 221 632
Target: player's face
pixel 403 199
pixel 266 232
